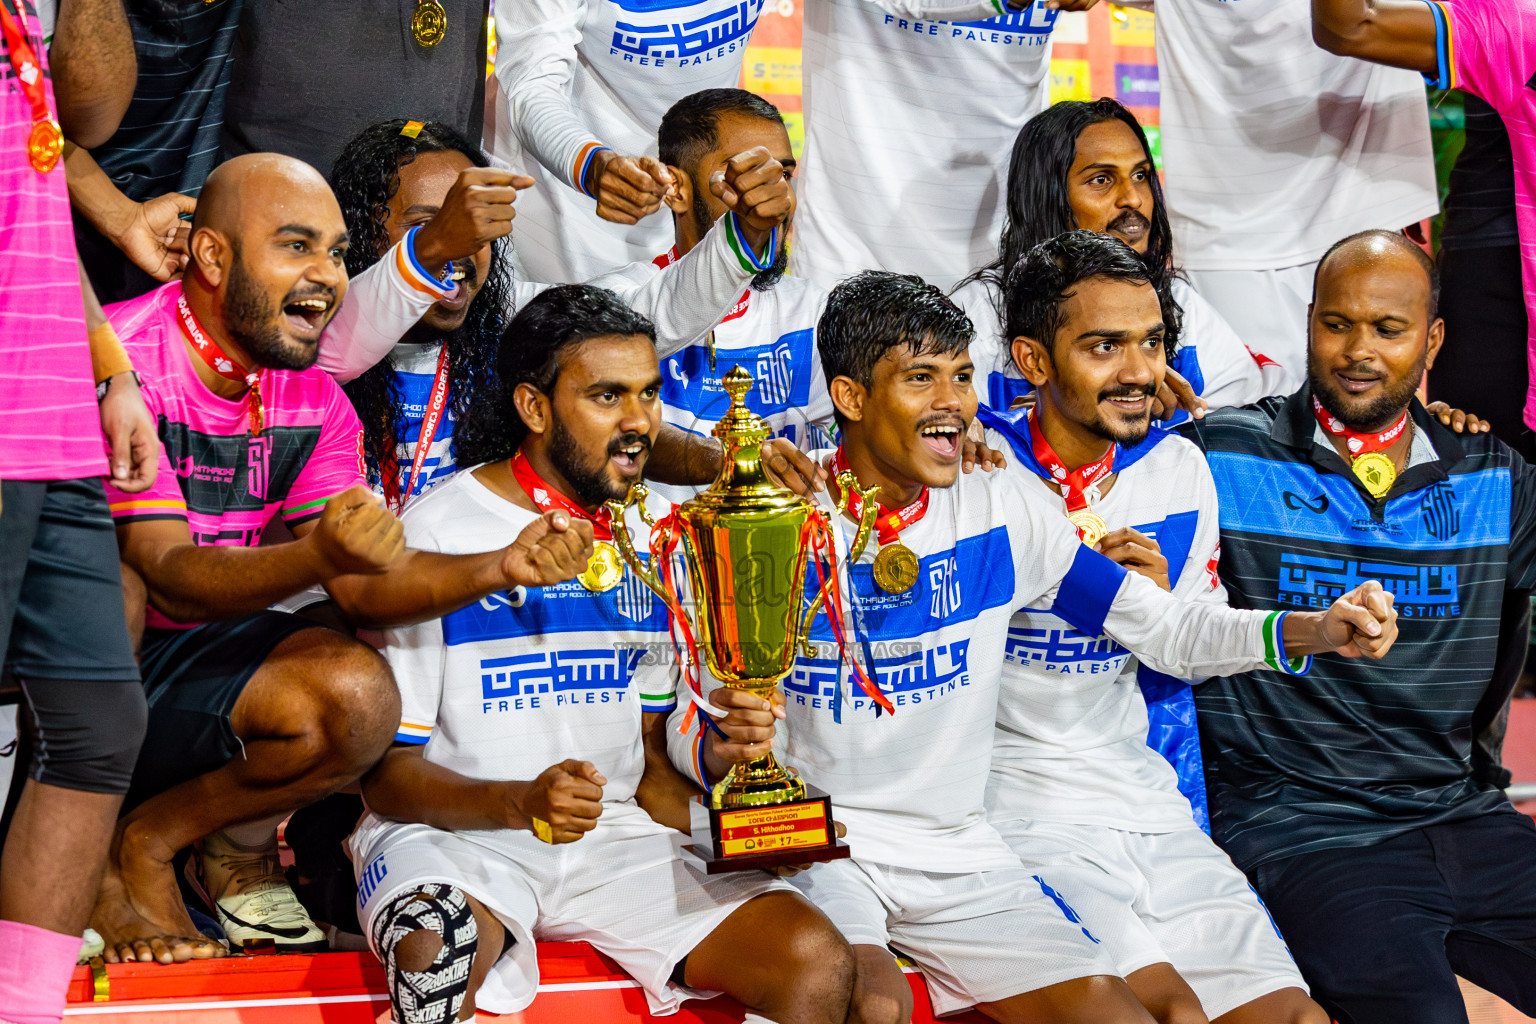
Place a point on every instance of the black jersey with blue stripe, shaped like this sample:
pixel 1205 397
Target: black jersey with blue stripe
pixel 1360 750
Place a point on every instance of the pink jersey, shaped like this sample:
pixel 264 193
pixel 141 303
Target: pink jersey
pixel 1488 48
pixel 49 428
pixel 225 484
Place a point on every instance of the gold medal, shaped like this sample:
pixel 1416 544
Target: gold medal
pixel 1090 527
pixel 429 23
pixel 45 145
pixel 1376 471
pixel 895 568
pixel 604 570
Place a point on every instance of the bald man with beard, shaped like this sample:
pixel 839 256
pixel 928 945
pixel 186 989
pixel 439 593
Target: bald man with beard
pixel 254 713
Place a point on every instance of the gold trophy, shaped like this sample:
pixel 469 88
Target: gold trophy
pixel 746 544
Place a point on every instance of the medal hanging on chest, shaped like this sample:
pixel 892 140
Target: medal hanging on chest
pixel 605 569
pixel 429 23
pixel 896 565
pixel 1368 459
pixel 1091 527
pixel 45 143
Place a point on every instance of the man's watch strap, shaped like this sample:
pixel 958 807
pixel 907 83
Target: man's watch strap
pixel 103 385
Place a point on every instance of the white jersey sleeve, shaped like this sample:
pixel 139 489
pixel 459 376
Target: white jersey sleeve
pixel 417 657
pixel 535 61
pixel 382 303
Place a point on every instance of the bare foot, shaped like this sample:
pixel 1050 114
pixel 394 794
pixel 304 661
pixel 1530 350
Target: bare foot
pixel 139 912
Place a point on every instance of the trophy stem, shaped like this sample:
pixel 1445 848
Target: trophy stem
pixel 761 782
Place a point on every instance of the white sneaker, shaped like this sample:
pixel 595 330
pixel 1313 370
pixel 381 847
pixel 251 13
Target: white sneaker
pixel 252 900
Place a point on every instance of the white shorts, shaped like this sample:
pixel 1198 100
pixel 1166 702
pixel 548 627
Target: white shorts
pixel 622 887
pixel 1268 310
pixel 977 937
pixel 1171 898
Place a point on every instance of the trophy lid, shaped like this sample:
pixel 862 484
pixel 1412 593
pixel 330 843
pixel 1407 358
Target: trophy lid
pixel 742 486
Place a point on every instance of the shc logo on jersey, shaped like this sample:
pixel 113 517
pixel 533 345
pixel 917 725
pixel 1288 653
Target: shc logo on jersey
pixel 652 37
pixel 1442 517
pixel 919 676
pixel 552 679
pixel 1420 591
pixel 781 374
pixel 373 874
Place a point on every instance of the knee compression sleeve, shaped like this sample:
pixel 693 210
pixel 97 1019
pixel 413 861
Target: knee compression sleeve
pixel 435 995
pixel 86 735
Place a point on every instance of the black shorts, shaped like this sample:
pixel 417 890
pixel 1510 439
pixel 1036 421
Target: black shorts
pixel 192 679
pixel 61 589
pixel 1380 932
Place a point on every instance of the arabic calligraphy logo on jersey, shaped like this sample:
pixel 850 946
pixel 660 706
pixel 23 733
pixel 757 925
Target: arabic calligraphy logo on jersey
pixel 688 40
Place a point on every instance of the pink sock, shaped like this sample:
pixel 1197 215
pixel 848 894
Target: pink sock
pixel 35 965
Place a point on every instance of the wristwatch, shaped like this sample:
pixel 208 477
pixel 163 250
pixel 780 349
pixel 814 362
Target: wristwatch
pixel 103 385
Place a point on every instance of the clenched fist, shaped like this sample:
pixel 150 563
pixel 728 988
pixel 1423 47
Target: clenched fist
pixel 1362 623
pixel 357 534
pixel 628 188
pixel 568 797
pixel 477 211
pixel 756 187
pixel 551 549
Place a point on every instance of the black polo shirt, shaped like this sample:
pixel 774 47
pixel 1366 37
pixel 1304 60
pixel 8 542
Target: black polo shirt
pixel 1360 750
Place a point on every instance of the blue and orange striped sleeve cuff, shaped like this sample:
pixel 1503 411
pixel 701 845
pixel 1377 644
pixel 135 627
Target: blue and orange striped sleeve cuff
pixel 581 163
pixel 414 273
pixel 144 509
pixel 1445 51
pixel 413 733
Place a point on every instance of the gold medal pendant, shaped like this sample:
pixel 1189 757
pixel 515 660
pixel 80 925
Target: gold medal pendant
pixel 1090 527
pixel 895 568
pixel 45 145
pixel 1376 471
pixel 604 570
pixel 429 23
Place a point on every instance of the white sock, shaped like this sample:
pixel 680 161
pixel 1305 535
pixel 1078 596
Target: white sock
pixel 255 835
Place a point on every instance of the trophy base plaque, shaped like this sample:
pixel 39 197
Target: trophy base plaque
pixel 753 838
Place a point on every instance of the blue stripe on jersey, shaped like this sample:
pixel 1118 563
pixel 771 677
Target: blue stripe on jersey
pixel 781 373
pixel 952 586
pixel 1186 363
pixel 1003 390
pixel 1292 499
pixel 564 608
pixel 1087 591
pixel 1175 535
pixel 1035 20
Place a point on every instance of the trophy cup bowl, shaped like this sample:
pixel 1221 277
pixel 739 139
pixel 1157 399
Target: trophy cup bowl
pixel 745 543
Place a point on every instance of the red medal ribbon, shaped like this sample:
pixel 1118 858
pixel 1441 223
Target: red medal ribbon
pixel 547 498
pixel 30 74
pixel 1072 482
pixel 437 401
pixel 889 523
pixel 220 362
pixel 1357 443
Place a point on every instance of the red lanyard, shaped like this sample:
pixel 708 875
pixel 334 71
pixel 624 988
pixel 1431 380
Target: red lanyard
pixel 1358 444
pixel 670 257
pixel 437 401
pixel 547 498
pixel 889 523
pixel 219 361
pixel 46 141
pixel 1073 482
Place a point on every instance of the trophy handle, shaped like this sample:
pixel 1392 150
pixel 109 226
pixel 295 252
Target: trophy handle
pixel 626 544
pixel 846 485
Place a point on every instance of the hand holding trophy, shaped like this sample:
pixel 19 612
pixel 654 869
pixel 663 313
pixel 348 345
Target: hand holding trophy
pixel 747 542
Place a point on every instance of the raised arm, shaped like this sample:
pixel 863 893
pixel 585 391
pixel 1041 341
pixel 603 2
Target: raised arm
pixel 535 61
pixel 93 67
pixel 1399 33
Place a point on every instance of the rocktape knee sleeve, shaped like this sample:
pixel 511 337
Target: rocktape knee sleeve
pixel 86 734
pixel 435 995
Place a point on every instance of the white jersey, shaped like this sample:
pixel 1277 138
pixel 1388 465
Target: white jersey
pixel 1274 149
pixel 910 786
pixel 909 121
pixel 1071 740
pixel 1211 356
pixel 525 679
pixel 573 75
pixel 683 299
pixel 772 335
